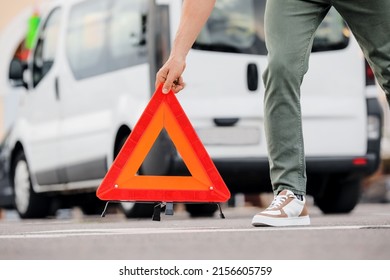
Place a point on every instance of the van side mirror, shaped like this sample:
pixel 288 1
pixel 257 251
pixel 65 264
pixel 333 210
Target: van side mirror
pixel 16 70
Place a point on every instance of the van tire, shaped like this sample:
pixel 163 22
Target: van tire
pixel 137 210
pixel 339 196
pixel 28 204
pixel 91 205
pixel 201 209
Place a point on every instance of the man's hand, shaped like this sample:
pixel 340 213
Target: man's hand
pixel 194 15
pixel 170 75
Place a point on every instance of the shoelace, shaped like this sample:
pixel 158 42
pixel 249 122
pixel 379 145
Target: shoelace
pixel 278 200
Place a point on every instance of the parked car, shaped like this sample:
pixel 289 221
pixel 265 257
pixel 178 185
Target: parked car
pixel 92 72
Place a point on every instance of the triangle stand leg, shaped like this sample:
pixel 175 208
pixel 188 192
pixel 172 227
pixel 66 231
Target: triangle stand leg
pixel 169 209
pixel 157 212
pixel 105 209
pixel 220 211
pixel 163 206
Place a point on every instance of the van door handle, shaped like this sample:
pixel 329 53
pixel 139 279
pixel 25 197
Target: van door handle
pixel 226 121
pixel 57 88
pixel 252 76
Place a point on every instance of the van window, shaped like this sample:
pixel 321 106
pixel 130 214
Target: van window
pixel 105 36
pixel 237 26
pixel 234 26
pixel 46 48
pixel 86 36
pixel 332 34
pixel 127 33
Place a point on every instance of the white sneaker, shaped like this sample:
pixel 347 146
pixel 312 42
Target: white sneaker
pixel 285 210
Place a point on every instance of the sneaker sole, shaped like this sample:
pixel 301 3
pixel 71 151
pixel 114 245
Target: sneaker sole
pixel 259 221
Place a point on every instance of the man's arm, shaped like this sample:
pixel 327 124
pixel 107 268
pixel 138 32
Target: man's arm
pixel 194 15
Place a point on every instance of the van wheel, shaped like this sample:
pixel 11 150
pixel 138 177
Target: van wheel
pixel 27 203
pixel 340 196
pixel 137 210
pixel 201 210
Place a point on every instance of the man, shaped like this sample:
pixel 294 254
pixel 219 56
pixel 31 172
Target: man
pixel 289 31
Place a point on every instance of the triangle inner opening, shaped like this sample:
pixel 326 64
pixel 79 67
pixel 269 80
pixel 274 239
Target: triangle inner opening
pixel 163 159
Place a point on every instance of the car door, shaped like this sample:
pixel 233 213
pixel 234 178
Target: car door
pixel 40 112
pixel 106 56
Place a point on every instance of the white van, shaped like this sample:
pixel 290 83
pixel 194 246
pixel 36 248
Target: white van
pixel 92 73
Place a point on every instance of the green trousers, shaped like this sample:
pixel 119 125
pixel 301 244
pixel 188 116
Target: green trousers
pixel 290 26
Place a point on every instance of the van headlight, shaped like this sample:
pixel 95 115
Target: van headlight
pixel 373 127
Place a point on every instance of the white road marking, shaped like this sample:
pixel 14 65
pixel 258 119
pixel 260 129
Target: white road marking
pixel 150 231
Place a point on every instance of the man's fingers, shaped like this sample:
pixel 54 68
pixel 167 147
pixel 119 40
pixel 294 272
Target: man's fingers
pixel 175 85
pixel 169 83
pixel 178 88
pixel 178 85
pixel 166 87
pixel 166 78
pixel 161 77
pixel 170 75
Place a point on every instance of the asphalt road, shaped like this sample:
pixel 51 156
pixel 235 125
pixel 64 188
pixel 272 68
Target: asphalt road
pixel 363 234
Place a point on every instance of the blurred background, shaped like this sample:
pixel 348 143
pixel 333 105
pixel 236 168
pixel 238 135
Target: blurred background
pixel 16 17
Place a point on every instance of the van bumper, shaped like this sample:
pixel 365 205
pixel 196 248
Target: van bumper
pixel 364 165
pixel 251 175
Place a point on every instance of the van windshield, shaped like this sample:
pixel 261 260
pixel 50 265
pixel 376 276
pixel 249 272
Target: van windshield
pixel 237 26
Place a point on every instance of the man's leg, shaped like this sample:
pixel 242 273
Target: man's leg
pixel 290 26
pixel 370 24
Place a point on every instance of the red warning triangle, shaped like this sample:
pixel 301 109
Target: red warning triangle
pixel 122 183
